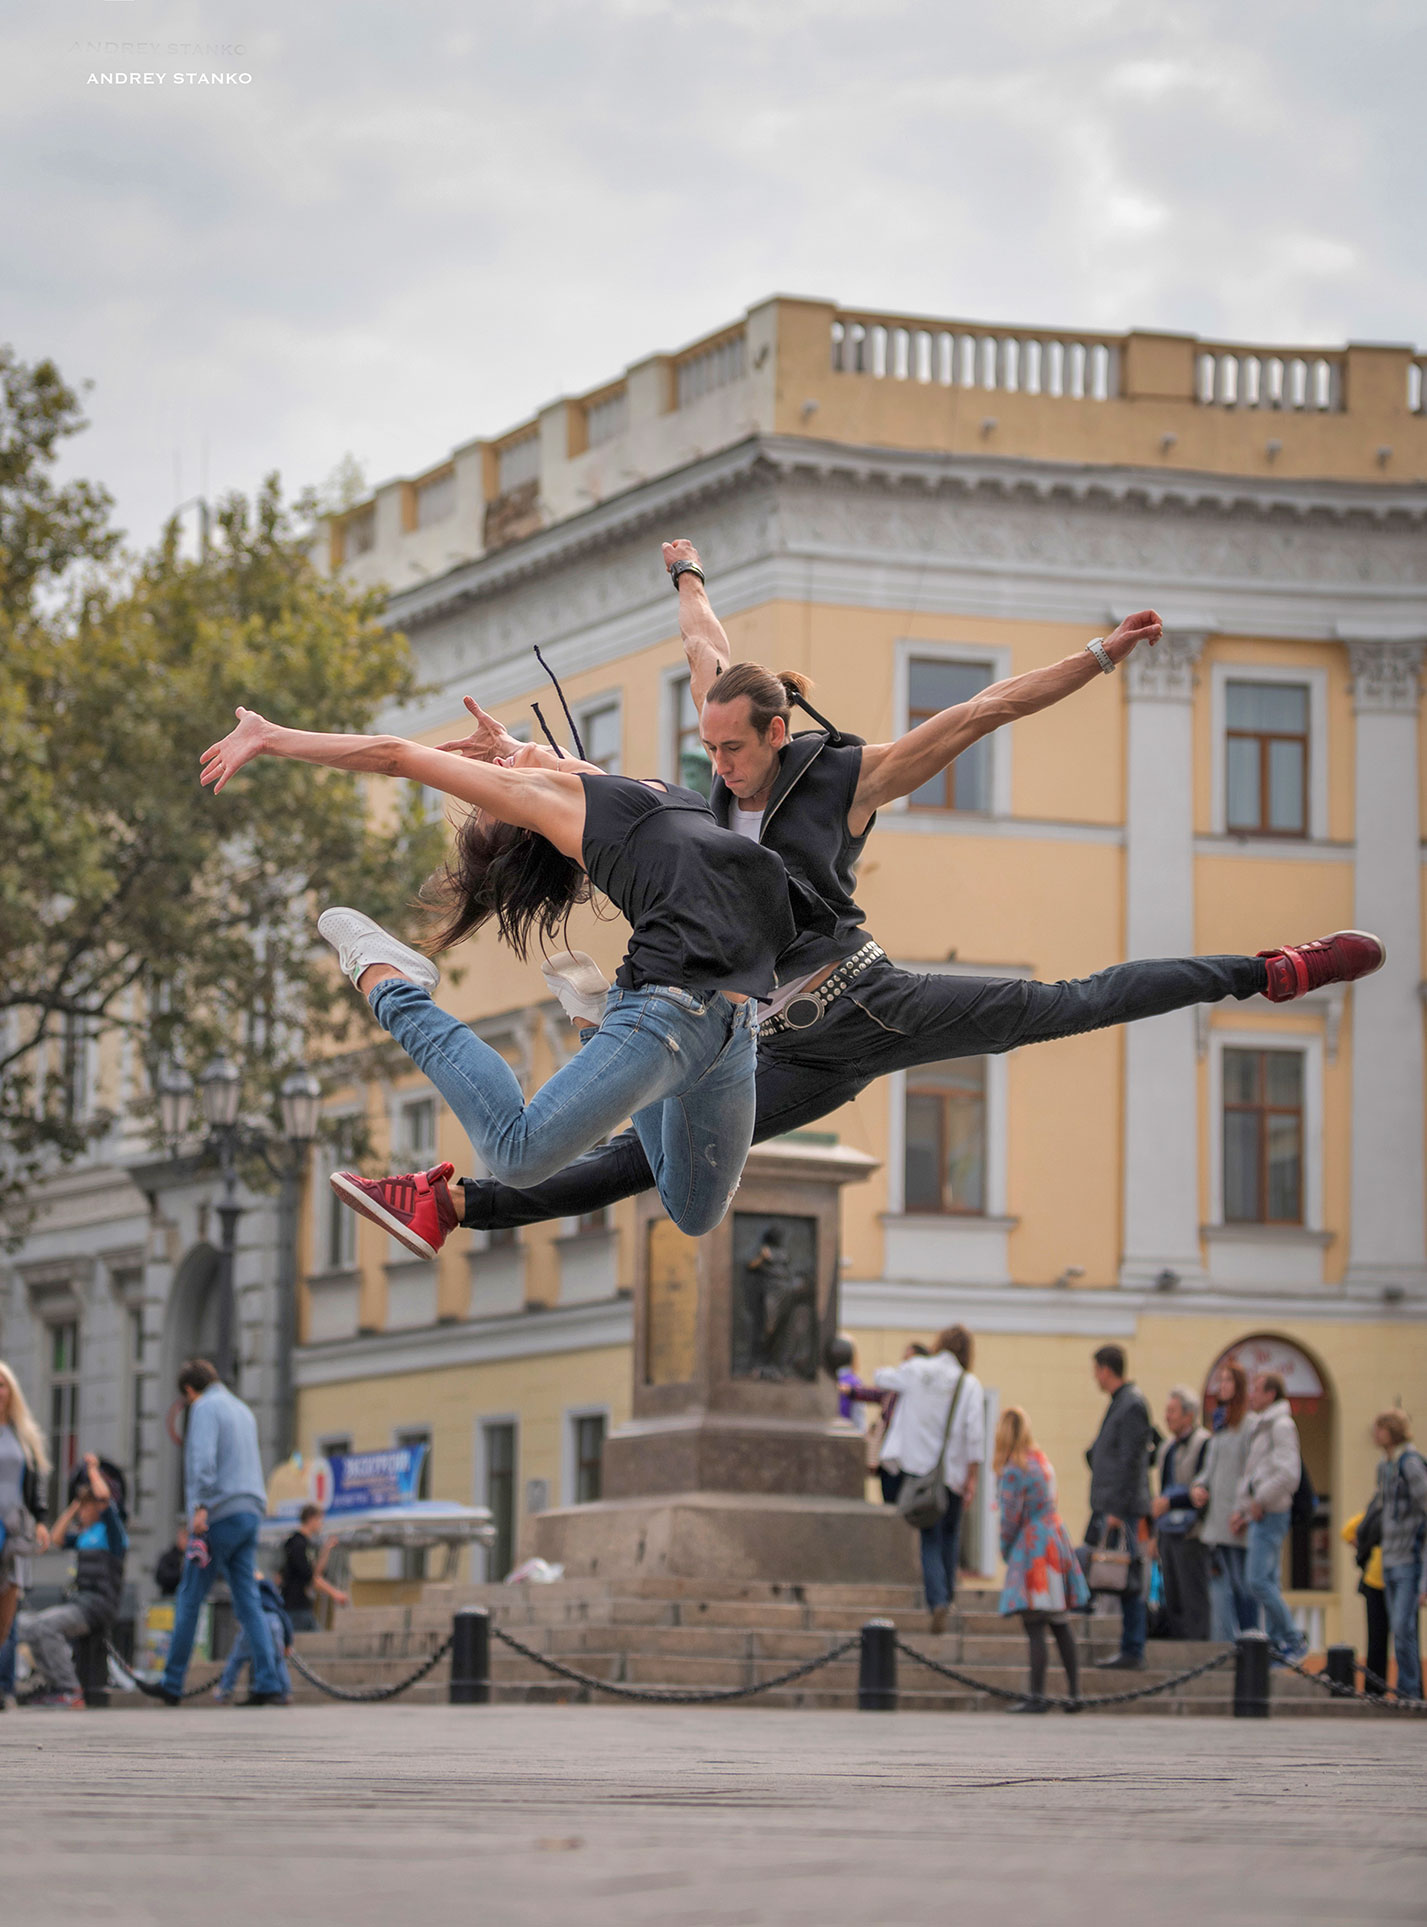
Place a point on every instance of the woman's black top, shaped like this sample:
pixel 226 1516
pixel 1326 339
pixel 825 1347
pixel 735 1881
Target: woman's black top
pixel 708 910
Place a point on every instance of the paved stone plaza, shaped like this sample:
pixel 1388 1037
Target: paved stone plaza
pixel 542 1815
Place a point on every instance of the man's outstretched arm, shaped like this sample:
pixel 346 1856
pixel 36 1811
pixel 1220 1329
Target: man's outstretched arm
pixel 890 770
pixel 705 644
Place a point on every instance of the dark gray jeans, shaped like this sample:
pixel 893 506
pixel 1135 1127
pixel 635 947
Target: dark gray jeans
pixel 887 1020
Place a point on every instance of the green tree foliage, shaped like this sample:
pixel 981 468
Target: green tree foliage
pixel 131 898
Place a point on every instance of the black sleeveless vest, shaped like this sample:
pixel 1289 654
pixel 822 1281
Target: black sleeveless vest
pixel 805 823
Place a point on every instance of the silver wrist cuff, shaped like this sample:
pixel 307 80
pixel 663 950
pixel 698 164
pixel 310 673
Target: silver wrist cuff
pixel 1096 647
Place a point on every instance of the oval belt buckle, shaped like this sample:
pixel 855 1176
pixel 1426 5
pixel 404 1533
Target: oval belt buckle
pixel 808 1001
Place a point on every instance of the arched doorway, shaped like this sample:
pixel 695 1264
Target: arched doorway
pixel 190 1331
pixel 1310 1544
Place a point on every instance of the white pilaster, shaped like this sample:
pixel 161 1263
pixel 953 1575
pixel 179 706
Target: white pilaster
pixel 1387 1249
pixel 1161 1167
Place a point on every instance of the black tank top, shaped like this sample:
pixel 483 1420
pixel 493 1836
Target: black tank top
pixel 708 910
pixel 805 823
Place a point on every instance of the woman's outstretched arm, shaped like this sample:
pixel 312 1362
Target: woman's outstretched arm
pixel 549 801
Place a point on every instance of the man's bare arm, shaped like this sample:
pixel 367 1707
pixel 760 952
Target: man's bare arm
pixel 890 770
pixel 705 644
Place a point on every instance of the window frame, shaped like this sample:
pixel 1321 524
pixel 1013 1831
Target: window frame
pixel 671 684
pixel 910 1090
pixel 994 1185
pixel 997 658
pixel 486 1422
pixel 69 1381
pixel 321 1220
pixel 575 1416
pixel 1311 1045
pixel 596 706
pixel 1315 680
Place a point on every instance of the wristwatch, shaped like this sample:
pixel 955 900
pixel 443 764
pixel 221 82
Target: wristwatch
pixel 676 569
pixel 1096 647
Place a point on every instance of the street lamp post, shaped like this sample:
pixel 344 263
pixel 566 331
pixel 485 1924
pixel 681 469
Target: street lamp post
pixel 300 1097
pixel 221 1086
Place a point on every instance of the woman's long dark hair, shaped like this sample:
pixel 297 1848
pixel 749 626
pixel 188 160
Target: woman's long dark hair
pixel 514 875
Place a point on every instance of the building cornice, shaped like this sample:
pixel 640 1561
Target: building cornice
pixel 767 458
pixel 477 1341
pixel 1085 1312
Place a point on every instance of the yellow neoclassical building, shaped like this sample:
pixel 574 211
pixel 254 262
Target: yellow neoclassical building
pixel 908 509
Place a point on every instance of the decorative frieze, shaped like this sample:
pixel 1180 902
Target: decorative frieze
pixel 1166 672
pixel 1386 675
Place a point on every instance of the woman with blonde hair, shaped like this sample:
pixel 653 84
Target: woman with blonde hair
pixel 24 1466
pixel 1043 1578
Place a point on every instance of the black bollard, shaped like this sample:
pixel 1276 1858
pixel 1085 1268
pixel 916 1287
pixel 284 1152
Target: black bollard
pixel 471 1657
pixel 1342 1667
pixel 1251 1656
pixel 877 1672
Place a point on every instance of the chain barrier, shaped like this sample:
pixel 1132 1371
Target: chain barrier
pixel 149 1688
pixel 1351 1693
pixel 1059 1699
pixel 370 1694
pixel 673 1695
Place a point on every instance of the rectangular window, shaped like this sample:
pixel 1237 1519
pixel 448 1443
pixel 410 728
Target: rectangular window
pixel 596 1220
pixel 359 533
pixel 600 731
pixel 518 463
pixel 340 1244
pixel 1263 1137
pixel 1266 758
pixel 418 1129
pixel 690 763
pixel 436 499
pixel 413 1563
pixel 500 1496
pixel 944 1161
pixel 589 1457
pixel 336 1446
pixel 933 684
pixel 64 1409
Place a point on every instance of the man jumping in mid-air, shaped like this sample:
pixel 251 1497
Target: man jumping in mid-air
pixel 845 1015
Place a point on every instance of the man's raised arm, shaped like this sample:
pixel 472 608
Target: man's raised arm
pixel 705 644
pixel 890 770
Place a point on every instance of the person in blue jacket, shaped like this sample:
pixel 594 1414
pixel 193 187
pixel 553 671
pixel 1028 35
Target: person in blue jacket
pixel 280 1631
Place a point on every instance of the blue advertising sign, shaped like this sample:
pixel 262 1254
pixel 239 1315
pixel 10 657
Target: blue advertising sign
pixel 362 1479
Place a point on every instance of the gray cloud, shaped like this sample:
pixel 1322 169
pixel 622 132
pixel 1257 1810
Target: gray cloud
pixel 421 221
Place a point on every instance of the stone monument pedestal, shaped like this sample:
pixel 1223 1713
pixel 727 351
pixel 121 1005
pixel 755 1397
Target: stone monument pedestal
pixel 735 1463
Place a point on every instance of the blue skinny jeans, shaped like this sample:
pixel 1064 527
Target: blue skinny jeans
pixel 1263 1573
pixel 1401 1586
pixel 680 1067
pixel 232 1545
pixel 241 1656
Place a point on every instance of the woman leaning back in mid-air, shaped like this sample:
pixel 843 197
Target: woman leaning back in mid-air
pixel 674 1051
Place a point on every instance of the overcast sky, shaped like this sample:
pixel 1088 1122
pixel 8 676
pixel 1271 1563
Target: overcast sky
pixel 422 219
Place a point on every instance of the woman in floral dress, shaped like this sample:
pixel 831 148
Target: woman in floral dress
pixel 1043 1580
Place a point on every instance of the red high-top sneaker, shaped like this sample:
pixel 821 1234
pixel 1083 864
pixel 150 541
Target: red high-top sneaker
pixel 416 1208
pixel 1300 967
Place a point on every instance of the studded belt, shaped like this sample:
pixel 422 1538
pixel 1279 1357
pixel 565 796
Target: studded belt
pixel 810 1006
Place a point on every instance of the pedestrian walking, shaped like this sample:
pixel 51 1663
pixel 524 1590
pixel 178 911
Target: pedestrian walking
pixel 168 1567
pixel 1183 1560
pixel 1402 1491
pixel 91 1524
pixel 1273 1466
pixel 1119 1461
pixel 1363 1533
pixel 226 1496
pixel 1044 1582
pixel 302 1575
pixel 889 1442
pixel 940 1417
pixel 280 1632
pixel 1232 1607
pixel 24 1467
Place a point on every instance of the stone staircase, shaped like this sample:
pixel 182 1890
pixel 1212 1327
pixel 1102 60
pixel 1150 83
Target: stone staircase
pixel 698 1634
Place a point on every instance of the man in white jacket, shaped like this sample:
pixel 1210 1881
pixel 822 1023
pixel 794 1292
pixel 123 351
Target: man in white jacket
pixel 1264 1504
pixel 925 1388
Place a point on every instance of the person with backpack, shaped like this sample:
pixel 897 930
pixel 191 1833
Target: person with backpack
pixel 91 1524
pixel 941 1441
pixel 1044 1583
pixel 1268 1491
pixel 280 1631
pixel 1402 1493
pixel 1363 1532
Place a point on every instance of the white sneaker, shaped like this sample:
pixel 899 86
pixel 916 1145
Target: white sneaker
pixel 359 943
pixel 578 982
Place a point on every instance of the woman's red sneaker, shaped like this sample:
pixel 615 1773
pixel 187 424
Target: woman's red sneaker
pixel 415 1208
pixel 1300 967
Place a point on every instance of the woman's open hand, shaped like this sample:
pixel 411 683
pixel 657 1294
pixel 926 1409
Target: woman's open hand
pixel 220 762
